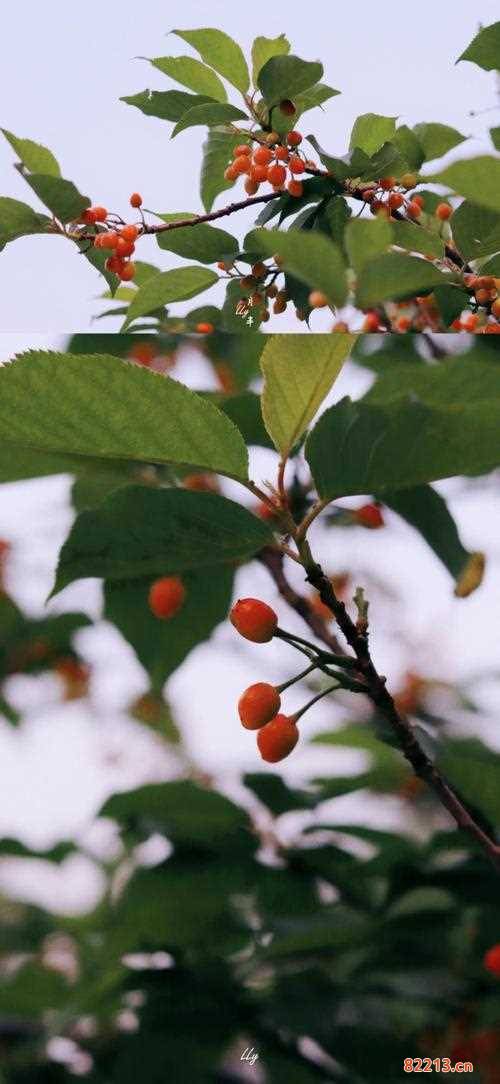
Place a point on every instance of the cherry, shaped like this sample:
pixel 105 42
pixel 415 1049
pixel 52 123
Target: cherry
pixel 293 139
pixel 114 264
pixel 258 172
pixel 495 308
pixel 277 738
pixel 409 180
pixel 254 620
pixel 166 596
pixel 136 200
pixel 123 247
pixel 241 164
pixel 295 188
pixel 230 173
pixel 276 174
pixel 242 149
pixel 296 164
pixel 395 200
pixel 127 272
pixel 129 232
pixel 258 705
pixel 387 183
pixel 251 186
pixel 317 299
pixel 470 321
pixel 143 353
pixel 281 154
pixel 369 515
pixel 205 328
pixel 108 240
pixel 100 214
pixel 259 270
pixel 491 960
pixel 414 209
pixel 88 216
pixel 371 322
pixel 444 211
pixel 262 156
pixel 403 323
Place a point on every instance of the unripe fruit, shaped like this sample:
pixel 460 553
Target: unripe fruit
pixel 296 164
pixel 414 209
pixel 287 107
pixel 492 960
pixel 276 174
pixel 369 515
pixel 277 738
pixel 395 200
pixel 295 188
pixel 166 596
pixel 341 326
pixel 272 290
pixel 281 154
pixel 241 149
pixel 251 186
pixel 272 138
pixel 124 247
pixel 127 272
pixel 258 705
pixel 409 180
pixel 204 328
pixel 279 305
pixel 241 164
pixel 258 172
pixel 444 211
pixel 262 156
pixel 293 139
pixel 254 620
pixel 136 200
pixel 248 282
pixel 129 233
pixel 317 299
pixel 100 214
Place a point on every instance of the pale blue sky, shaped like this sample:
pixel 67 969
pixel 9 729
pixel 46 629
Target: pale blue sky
pixel 63 69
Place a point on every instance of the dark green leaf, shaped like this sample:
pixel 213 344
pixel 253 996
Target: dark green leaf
pixel 484 49
pixel 59 195
pixel 395 276
pixel 311 257
pixel 417 239
pixel 166 104
pixel 284 77
pixel 19 220
pixel 365 239
pixel 210 115
pixel 476 231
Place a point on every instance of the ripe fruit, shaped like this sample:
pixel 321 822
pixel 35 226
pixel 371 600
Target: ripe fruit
pixel 166 597
pixel 254 620
pixel 495 308
pixel 241 164
pixel 258 705
pixel 143 353
pixel 276 174
pixel 263 156
pixel 106 240
pixel 204 328
pixel 444 211
pixel 129 233
pixel 241 149
pixel 403 323
pixel 88 216
pixel 293 139
pixel 369 515
pixel 414 209
pixel 136 200
pixel 277 738
pixel 295 188
pixel 387 183
pixel 258 172
pixel 259 270
pixel 491 960
pixel 281 154
pixel 296 164
pixel 230 173
pixel 123 247
pixel 100 214
pixel 470 321
pixel 114 264
pixel 371 322
pixel 251 186
pixel 127 271
pixel 395 200
pixel 317 299
pixel 418 199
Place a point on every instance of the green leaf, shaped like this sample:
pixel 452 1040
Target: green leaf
pixel 284 77
pixel 231 321
pixel 217 153
pixel 192 74
pixel 414 426
pixel 296 382
pixel 475 770
pixel 366 239
pixel 167 286
pixel 476 231
pixel 484 49
pixel 408 144
pixel 313 97
pixel 395 276
pixel 495 137
pixel 437 139
pixel 371 131
pixel 59 195
pixel 219 51
pixel 201 242
pixel 165 104
pixel 19 220
pixel 274 793
pixel 177 528
pixel 265 48
pixel 417 239
pixel 188 814
pixel 161 646
pixel 34 156
pixel 425 510
pixel 311 257
pixel 80 405
pixel 478 179
pixel 245 411
pixel 451 301
pixel 210 114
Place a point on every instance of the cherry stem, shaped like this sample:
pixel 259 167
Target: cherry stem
pixel 286 684
pixel 319 696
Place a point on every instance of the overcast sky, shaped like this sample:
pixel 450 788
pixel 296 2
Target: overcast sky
pixel 62 71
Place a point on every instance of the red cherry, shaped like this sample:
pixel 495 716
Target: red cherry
pixel 166 596
pixel 258 705
pixel 136 200
pixel 491 960
pixel 369 515
pixel 277 738
pixel 276 175
pixel 254 620
pixel 293 139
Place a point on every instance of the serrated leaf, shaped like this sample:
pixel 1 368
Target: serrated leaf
pixel 365 239
pixel 19 220
pixel 417 239
pixel 167 286
pixel 210 114
pixel 192 74
pixel 201 242
pixel 437 139
pixel 165 104
pixel 484 49
pixel 311 257
pixel 313 97
pixel 221 52
pixel 177 527
pixel 296 381
pixel 217 153
pixel 34 156
pixel 59 195
pixel 407 143
pixel 81 405
pixel 395 276
pixel 284 77
pixel 262 51
pixel 476 231
pixel 478 179
pixel 371 131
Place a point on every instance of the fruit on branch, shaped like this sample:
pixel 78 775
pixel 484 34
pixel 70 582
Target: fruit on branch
pixel 409 180
pixel 166 597
pixel 278 738
pixel 276 175
pixel 369 515
pixel 204 328
pixel 295 188
pixel 317 300
pixel 444 211
pixel 492 960
pixel 371 322
pixel 136 200
pixel 258 705
pixel 143 353
pixel 254 620
pixel 414 209
pixel 293 139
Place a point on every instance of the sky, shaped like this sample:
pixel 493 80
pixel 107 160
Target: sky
pixel 59 767
pixel 61 78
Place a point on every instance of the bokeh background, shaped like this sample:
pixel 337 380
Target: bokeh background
pixel 58 768
pixel 63 70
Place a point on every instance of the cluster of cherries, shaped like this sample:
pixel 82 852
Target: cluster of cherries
pixel 119 239
pixel 270 162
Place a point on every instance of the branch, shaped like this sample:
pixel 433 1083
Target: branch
pixel 383 700
pixel 273 561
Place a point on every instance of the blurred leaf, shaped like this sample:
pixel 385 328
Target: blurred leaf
pixel 478 179
pixel 366 239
